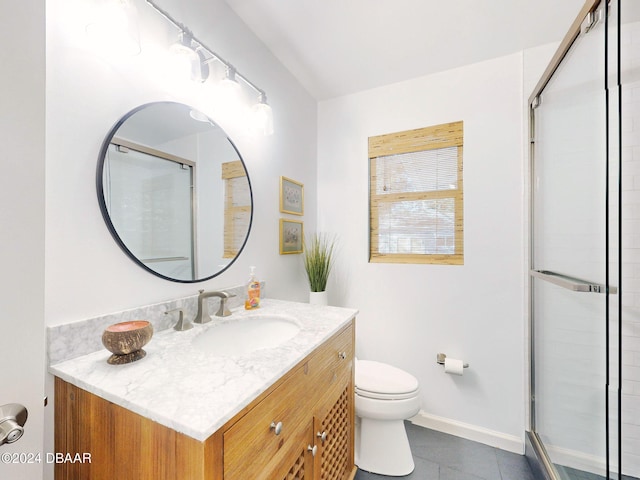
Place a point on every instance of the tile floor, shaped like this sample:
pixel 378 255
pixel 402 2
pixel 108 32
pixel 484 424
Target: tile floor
pixel 439 456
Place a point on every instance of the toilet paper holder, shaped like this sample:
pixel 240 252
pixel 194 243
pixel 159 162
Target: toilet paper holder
pixel 440 359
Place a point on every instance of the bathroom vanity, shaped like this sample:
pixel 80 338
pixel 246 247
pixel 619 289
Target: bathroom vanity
pixel 276 413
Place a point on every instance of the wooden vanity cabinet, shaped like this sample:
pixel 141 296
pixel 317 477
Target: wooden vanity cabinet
pixel 301 428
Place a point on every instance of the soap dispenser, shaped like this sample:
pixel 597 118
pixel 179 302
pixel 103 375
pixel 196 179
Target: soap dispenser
pixel 252 298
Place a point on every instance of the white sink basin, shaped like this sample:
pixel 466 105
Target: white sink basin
pixel 247 334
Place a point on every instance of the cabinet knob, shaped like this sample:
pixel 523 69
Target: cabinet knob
pixel 313 449
pixel 276 427
pixel 322 436
pixel 342 355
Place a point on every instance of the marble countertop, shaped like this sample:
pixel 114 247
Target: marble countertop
pixel 193 392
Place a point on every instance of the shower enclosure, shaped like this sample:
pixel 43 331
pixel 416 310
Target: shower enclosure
pixel 150 199
pixel 585 251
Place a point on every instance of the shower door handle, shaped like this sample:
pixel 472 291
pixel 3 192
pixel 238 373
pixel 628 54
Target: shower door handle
pixel 163 259
pixel 571 283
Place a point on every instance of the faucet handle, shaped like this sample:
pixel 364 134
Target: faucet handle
pixel 181 325
pixel 224 311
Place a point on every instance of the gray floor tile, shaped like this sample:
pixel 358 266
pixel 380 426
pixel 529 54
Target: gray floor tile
pixel 425 470
pixel 439 456
pixel 516 472
pixel 447 473
pixel 362 475
pixel 455 453
pixel 513 466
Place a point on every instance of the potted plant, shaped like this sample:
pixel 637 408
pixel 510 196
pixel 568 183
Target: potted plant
pixel 318 261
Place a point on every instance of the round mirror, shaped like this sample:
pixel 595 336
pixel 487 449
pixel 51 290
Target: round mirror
pixel 174 192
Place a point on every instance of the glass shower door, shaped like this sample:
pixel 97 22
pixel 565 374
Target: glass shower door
pixel 569 276
pixel 150 203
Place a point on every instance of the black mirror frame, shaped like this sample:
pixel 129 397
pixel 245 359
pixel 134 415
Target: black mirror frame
pixel 107 217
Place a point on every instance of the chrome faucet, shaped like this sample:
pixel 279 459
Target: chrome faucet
pixel 202 316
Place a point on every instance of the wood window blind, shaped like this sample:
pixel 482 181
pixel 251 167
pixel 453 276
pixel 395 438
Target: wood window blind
pixel 416 196
pixel 237 207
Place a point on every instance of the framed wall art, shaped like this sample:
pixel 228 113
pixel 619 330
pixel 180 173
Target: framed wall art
pixel 291 196
pixel 291 235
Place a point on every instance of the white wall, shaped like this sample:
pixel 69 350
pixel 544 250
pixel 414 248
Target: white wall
pixel 409 313
pixel 22 235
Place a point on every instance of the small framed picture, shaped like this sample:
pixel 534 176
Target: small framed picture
pixel 291 235
pixel 291 196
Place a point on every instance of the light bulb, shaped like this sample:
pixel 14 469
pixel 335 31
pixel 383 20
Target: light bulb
pixel 187 61
pixel 229 86
pixel 182 61
pixel 262 117
pixel 228 98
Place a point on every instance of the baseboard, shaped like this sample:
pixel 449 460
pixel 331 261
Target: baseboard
pixel 500 440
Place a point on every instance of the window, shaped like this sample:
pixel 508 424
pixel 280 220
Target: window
pixel 237 207
pixel 415 196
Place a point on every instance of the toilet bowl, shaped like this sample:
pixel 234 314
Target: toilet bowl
pixel 385 396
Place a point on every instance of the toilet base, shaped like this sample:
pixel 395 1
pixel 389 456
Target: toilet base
pixel 382 447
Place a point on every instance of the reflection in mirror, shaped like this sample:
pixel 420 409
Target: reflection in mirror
pixel 174 192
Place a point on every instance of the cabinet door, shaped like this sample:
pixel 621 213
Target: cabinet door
pixel 265 435
pixel 299 463
pixel 333 427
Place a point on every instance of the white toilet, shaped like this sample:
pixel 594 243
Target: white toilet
pixel 385 397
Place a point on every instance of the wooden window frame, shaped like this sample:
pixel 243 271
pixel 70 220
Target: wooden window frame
pixel 411 141
pixel 231 170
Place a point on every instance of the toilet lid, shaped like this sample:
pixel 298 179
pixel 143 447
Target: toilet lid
pixel 376 379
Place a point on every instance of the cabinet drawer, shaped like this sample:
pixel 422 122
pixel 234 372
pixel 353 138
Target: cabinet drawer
pixel 252 442
pixel 332 361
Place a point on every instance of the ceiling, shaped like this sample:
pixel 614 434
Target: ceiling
pixel 337 47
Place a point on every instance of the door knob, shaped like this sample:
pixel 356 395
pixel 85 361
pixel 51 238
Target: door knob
pixel 12 420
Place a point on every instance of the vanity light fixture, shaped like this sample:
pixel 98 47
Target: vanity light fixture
pixel 262 115
pixel 229 101
pixel 207 56
pixel 189 58
pixel 230 82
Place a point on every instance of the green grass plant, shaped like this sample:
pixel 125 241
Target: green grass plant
pixel 318 260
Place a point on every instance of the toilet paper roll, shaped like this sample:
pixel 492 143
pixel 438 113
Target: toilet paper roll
pixel 453 366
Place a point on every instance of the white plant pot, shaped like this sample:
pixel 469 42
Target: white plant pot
pixel 318 298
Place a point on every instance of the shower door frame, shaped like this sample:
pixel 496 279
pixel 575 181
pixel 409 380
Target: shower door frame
pixel 535 451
